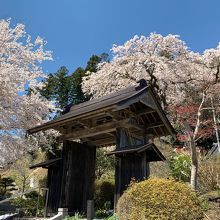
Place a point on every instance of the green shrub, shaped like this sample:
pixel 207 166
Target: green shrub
pixel 101 213
pixel 104 194
pixel 180 166
pixel 159 199
pixel 77 216
pixel 29 204
pixel 105 165
pixel 113 217
pixel 7 185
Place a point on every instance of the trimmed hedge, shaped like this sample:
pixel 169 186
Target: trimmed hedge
pixel 159 199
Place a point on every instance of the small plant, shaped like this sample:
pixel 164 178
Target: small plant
pixel 101 213
pixel 180 166
pixel 77 216
pixel 113 217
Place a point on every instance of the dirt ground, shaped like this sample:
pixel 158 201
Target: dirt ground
pixel 213 212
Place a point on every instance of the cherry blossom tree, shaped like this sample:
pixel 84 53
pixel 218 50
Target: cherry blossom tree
pixel 20 60
pixel 163 61
pixel 179 76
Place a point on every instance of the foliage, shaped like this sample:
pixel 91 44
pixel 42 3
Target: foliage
pixel 161 169
pixel 57 87
pixel 101 213
pixel 92 63
pixel 77 96
pixel 187 113
pixel 209 171
pixel 20 60
pixel 180 165
pixel 29 204
pixel 165 61
pixel 178 75
pixel 43 182
pixel 113 217
pixel 104 164
pixel 159 199
pixel 105 214
pixel 104 194
pixel 7 185
pixel 64 88
pixel 21 173
pixel 77 216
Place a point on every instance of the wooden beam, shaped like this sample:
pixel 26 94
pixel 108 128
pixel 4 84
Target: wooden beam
pixel 61 130
pixel 111 134
pixel 162 131
pixel 161 113
pixel 102 129
pixel 86 124
pixel 115 116
pixel 153 116
pixel 101 142
pixel 70 119
pixel 155 124
pixel 137 135
pixel 133 123
pixel 144 112
pixel 138 114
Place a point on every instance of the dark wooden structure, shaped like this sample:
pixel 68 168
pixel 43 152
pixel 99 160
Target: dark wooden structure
pixel 54 178
pixel 129 119
pixel 70 178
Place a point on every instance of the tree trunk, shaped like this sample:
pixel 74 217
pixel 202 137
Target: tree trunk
pixel 23 187
pixel 215 125
pixel 194 165
pixel 192 143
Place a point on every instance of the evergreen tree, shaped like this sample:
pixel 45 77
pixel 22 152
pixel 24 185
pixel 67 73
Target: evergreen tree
pixel 65 89
pixel 92 63
pixel 6 185
pixel 76 95
pixel 57 87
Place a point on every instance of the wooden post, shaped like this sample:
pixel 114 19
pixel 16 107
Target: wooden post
pixel 78 176
pixel 117 181
pixel 90 209
pixel 144 165
pixel 127 166
pixel 54 178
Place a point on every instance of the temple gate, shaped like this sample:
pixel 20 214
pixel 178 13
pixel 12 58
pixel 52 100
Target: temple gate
pixel 128 119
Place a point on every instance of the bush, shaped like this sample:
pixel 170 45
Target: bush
pixel 29 204
pixel 7 185
pixel 208 174
pixel 159 199
pixel 104 194
pixel 180 166
pixel 101 213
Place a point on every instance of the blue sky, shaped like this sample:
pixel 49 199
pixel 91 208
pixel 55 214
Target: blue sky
pixel 76 29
